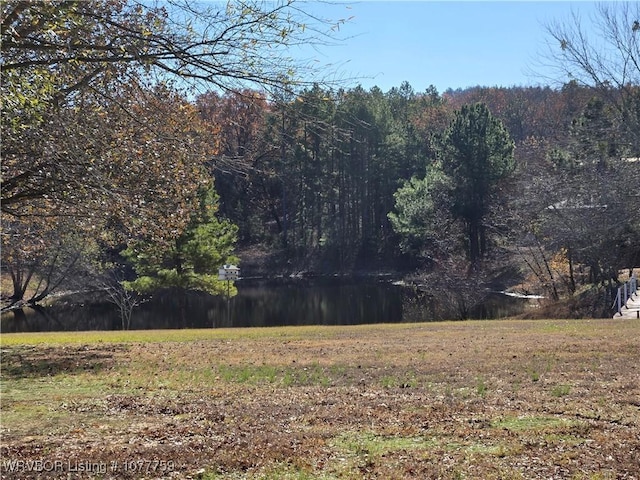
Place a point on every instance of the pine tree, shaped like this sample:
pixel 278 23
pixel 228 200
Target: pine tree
pixel 192 260
pixel 476 153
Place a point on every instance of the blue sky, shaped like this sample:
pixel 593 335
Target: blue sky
pixel 447 44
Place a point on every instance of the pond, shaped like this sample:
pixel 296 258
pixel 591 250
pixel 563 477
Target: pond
pixel 262 303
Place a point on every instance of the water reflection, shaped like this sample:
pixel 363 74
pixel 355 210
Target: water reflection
pixel 327 301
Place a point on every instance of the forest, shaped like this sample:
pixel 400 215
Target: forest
pixel 120 176
pixel 460 188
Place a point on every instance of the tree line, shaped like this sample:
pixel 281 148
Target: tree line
pixel 347 179
pixel 115 175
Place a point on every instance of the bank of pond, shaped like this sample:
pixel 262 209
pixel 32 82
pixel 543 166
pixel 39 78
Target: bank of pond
pixel 267 302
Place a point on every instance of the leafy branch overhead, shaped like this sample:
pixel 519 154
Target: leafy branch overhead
pixel 75 70
pixel 88 42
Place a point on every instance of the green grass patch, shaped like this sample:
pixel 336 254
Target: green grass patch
pixel 539 367
pixel 564 439
pixel 404 380
pixel 248 373
pixel 286 376
pixel 561 390
pixel 278 471
pixel 191 335
pixel 152 336
pixel 481 387
pixel 500 450
pixel 57 387
pixel 372 444
pixel 52 404
pixel 309 375
pixel 585 328
pixel 524 424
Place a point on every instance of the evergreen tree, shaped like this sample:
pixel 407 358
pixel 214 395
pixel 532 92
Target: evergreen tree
pixel 192 260
pixel 476 153
pixel 419 217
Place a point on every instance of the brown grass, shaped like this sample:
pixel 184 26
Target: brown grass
pixel 494 399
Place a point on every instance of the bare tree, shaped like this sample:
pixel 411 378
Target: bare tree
pixel 605 56
pixel 126 300
pixel 43 258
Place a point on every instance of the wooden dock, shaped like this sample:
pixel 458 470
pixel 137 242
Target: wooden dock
pixel 632 307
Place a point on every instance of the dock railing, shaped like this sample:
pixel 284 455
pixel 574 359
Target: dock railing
pixel 625 291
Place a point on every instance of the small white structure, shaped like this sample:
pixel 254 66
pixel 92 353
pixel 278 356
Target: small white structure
pixel 228 272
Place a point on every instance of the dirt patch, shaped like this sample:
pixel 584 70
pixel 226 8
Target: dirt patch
pixel 25 361
pixel 510 399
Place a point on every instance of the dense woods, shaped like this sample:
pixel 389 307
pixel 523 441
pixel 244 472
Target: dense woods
pixel 111 170
pixel 352 180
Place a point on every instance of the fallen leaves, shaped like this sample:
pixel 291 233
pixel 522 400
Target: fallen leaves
pixel 355 403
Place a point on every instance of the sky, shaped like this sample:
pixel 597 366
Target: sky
pixel 448 44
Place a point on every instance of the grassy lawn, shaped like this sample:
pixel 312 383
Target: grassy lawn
pixel 453 400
